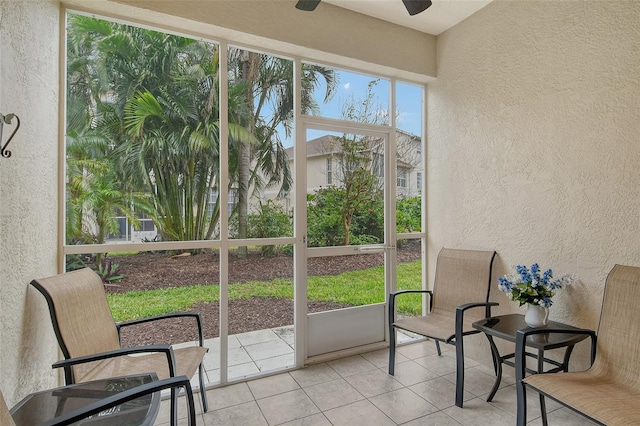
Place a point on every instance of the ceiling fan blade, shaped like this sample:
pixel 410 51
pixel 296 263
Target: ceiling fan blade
pixel 307 5
pixel 416 6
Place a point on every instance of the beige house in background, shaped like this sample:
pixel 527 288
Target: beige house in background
pixel 324 166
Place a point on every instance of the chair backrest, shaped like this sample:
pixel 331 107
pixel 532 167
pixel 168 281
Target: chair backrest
pixel 618 354
pixel 5 416
pixel 80 313
pixel 462 276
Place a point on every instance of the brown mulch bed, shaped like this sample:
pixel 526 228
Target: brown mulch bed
pixel 146 271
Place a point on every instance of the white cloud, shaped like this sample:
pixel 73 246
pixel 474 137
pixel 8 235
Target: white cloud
pixel 347 86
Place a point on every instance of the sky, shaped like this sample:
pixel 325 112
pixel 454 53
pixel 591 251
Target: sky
pixel 354 86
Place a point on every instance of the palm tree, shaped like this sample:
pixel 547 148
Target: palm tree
pixel 268 85
pixel 152 98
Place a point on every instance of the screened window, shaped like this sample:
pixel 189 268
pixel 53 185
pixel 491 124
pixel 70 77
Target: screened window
pixel 402 178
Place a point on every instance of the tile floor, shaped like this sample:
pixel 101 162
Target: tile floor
pixel 358 391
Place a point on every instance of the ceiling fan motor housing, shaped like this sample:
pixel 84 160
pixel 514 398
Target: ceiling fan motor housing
pixel 413 6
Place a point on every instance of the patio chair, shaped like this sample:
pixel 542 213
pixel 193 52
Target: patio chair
pixel 90 340
pixel 462 282
pixel 608 392
pixel 120 398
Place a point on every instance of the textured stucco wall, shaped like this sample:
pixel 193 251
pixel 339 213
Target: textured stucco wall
pixel 330 34
pixel 534 143
pixel 533 150
pixel 28 193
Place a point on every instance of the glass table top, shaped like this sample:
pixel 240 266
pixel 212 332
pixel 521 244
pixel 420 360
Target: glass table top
pixel 506 327
pixel 46 405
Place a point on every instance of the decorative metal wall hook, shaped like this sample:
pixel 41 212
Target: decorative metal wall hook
pixel 6 119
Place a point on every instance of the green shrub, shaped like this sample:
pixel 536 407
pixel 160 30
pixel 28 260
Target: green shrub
pixel 270 221
pixel 109 271
pixel 367 226
pixel 409 214
pixel 324 223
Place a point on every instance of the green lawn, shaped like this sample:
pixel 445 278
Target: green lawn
pixel 352 288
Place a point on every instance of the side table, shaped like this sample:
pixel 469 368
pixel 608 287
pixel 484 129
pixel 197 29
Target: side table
pixel 506 326
pixel 40 407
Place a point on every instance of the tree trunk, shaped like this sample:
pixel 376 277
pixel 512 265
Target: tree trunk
pixel 249 65
pixel 346 225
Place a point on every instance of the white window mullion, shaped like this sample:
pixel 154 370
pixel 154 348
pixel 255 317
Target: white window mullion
pixel 299 222
pixel 224 218
pixel 390 237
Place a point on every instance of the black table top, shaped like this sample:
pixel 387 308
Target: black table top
pixel 49 404
pixel 506 326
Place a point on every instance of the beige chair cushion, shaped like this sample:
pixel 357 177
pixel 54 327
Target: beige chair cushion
pixel 440 324
pixel 601 398
pixel 82 312
pixel 187 361
pixel 610 390
pixel 86 327
pixel 462 276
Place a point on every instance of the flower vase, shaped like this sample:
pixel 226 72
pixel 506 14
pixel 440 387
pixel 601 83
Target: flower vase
pixel 536 316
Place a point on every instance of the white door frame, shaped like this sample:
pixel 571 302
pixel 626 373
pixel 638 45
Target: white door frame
pixel 351 328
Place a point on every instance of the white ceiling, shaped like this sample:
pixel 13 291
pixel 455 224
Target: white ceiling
pixel 442 15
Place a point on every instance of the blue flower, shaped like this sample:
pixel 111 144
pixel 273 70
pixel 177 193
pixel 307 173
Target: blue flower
pixel 546 302
pixel 528 286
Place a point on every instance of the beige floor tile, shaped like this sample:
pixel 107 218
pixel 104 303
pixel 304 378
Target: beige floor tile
pixel 277 362
pixel 374 382
pixel 409 373
pixel 228 396
pixel 381 358
pixel 475 381
pixel 351 365
pixel 269 349
pixel 439 392
pixel 243 371
pixel 335 393
pixel 420 350
pixel 272 385
pixel 508 373
pixel 184 421
pixel 258 336
pixel 285 333
pixel 440 365
pixel 506 400
pixel 247 414
pixel 358 391
pixel 314 374
pixel 403 405
pixel 313 420
pixel 435 419
pixel 286 407
pixel 236 356
pixel 358 413
pixel 164 413
pixel 478 412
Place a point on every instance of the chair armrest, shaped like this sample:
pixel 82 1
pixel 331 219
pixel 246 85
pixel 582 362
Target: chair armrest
pixel 392 300
pixel 460 315
pixel 466 306
pixel 196 315
pixel 122 397
pixel 521 338
pixel 66 363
